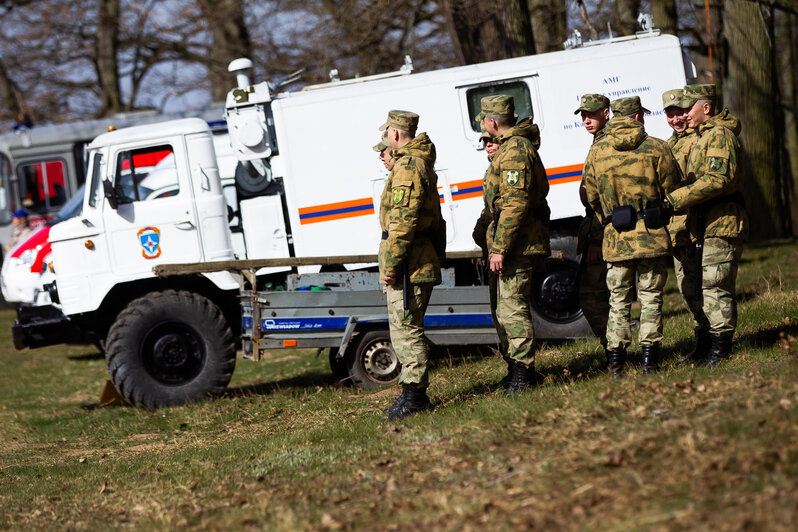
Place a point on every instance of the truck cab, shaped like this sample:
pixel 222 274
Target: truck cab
pixel 145 205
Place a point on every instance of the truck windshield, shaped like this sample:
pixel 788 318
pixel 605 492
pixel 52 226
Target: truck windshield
pixel 71 208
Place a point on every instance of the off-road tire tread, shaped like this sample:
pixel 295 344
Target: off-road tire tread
pixel 213 328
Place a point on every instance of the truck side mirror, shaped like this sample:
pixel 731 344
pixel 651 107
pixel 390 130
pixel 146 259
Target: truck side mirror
pixel 110 194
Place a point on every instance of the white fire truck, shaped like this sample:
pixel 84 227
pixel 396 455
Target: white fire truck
pixel 156 280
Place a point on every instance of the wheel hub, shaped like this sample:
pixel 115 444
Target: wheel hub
pixel 173 353
pixel 380 362
pixel 556 296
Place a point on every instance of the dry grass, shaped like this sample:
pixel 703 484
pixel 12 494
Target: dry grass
pixel 289 448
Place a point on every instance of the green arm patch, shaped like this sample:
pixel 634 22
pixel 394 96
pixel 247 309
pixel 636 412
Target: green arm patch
pixel 398 195
pixel 717 164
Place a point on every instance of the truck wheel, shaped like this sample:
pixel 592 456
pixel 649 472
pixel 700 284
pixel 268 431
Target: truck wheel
pixel 373 362
pixel 170 348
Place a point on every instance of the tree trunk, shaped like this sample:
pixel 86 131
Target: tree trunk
pixel 520 28
pixel 107 45
pixel 785 59
pixel 750 93
pixel 549 24
pixel 225 19
pixel 626 12
pixel 12 99
pixel 478 30
pixel 664 14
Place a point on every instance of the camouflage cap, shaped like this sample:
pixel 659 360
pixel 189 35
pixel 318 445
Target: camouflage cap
pixel 498 104
pixel 700 91
pixel 592 102
pixel 382 144
pixel 404 120
pixel 627 106
pixel 674 98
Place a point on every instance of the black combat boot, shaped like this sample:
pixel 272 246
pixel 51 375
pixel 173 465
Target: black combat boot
pixel 701 349
pixel 523 379
pixel 507 379
pixel 416 400
pixel 399 401
pixel 650 358
pixel 615 360
pixel 721 347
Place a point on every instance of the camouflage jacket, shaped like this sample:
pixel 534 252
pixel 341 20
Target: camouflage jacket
pixel 480 233
pixel 410 212
pixel 514 189
pixel 590 232
pixel 714 169
pixel 626 167
pixel 681 144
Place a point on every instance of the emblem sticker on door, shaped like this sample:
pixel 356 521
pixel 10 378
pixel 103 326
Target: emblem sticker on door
pixel 150 240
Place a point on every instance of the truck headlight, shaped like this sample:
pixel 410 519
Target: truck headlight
pixel 27 257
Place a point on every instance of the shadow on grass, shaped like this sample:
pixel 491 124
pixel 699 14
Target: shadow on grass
pixel 96 355
pixel 298 382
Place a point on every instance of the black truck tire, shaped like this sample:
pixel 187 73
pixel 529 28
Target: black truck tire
pixel 170 348
pixel 372 362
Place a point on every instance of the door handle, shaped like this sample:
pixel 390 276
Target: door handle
pixel 186 225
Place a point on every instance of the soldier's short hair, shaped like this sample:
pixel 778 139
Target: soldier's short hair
pixel 504 120
pixel 712 105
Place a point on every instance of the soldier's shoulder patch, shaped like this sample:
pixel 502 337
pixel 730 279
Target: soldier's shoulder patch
pixel 512 177
pixel 716 163
pixel 398 195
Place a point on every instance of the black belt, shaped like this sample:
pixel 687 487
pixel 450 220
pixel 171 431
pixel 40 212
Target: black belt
pixel 428 232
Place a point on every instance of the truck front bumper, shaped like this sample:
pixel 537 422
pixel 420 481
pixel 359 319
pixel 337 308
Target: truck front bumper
pixel 41 326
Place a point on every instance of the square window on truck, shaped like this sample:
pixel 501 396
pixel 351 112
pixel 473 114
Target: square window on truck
pixel 146 174
pixel 517 89
pixel 42 185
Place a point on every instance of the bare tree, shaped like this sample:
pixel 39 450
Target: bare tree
pixel 750 92
pixel 230 39
pixel 665 15
pixel 626 12
pixel 549 24
pixel 788 98
pixel 106 44
pixel 478 30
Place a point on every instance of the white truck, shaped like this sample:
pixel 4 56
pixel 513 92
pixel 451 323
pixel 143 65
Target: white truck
pixel 157 281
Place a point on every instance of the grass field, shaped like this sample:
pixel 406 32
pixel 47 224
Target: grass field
pixel 290 448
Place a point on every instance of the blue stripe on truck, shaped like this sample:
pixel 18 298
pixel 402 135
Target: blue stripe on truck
pixel 320 323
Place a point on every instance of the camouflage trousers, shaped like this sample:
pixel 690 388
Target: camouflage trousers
pixel 684 266
pixel 493 285
pixel 594 298
pixel 407 331
pixel 721 259
pixel 651 277
pixel 513 308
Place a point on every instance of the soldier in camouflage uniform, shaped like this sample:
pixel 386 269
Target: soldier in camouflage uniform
pixel 684 264
pixel 718 220
pixel 517 237
pixel 411 253
pixel 480 235
pixel 384 151
pixel 626 176
pixel 594 297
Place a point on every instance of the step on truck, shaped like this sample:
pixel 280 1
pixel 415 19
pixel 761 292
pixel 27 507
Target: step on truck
pixel 155 280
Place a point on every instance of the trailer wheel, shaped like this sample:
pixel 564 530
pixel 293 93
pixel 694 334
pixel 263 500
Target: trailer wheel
pixel 170 348
pixel 373 362
pixel 555 295
pixel 338 365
